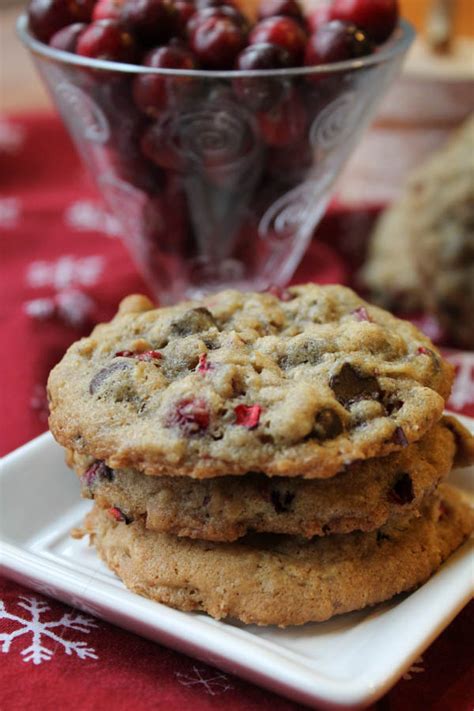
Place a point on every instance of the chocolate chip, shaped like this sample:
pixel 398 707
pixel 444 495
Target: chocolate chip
pixel 402 491
pixel 102 375
pixel 300 352
pixel 281 502
pixel 382 536
pixel 206 500
pixel 193 321
pixel 350 385
pixel 327 424
pixel 392 405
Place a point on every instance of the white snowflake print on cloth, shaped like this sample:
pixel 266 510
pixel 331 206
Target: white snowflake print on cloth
pixel 12 137
pixel 73 307
pixel 10 211
pixel 463 388
pixel 85 215
pixel 209 680
pixel 66 272
pixel 42 634
pixel 416 668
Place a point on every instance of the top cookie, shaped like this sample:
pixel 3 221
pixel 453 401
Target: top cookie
pixel 300 383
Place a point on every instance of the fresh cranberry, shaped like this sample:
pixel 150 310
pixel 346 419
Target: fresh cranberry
pixel 247 415
pixel 226 11
pixel 320 16
pixel 185 10
pixel 290 163
pixel 284 124
pixel 67 38
pixel 280 292
pixel 283 31
pixel 46 17
pixel 152 93
pixel 106 39
pixel 270 8
pixel 261 93
pixel 191 415
pixel 150 21
pixel 159 144
pixel 216 41
pixel 336 42
pixel 98 471
pixel 107 10
pixel 378 18
pixel 423 351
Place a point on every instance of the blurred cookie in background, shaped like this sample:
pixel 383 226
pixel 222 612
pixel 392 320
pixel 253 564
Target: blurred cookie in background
pixel 422 250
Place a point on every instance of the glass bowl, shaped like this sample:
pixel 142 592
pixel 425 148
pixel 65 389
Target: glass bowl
pixel 224 183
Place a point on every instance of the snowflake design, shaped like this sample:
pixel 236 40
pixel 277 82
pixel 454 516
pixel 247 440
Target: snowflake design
pixel 12 137
pixel 38 652
pixel 71 306
pixel 212 681
pixel 66 272
pixel 416 668
pixel 85 215
pixel 10 209
pixel 463 388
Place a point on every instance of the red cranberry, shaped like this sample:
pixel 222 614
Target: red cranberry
pixel 185 10
pixel 285 124
pixel 247 415
pixel 152 93
pixel 159 145
pixel 270 8
pixel 204 366
pixel 336 42
pixel 378 18
pixel 361 314
pixel 46 17
pixel 320 16
pixel 283 31
pixel 222 11
pixel 290 163
pixel 151 21
pixel 280 292
pixel 190 415
pixel 106 39
pixel 216 41
pixel 119 515
pixel 107 10
pixel 67 38
pixel 261 93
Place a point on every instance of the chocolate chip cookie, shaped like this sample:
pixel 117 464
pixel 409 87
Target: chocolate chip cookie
pixel 298 383
pixel 284 580
pixel 364 498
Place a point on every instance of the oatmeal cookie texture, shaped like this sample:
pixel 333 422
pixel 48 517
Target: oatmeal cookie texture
pixel 297 383
pixel 365 497
pixel 266 579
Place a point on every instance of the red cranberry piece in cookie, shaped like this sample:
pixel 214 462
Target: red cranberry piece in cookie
pixel 191 415
pixel 284 32
pixel 288 8
pixel 216 40
pixel 107 10
pixel 280 292
pixel 378 18
pixel 361 314
pixel 153 93
pixel 261 93
pixel 107 39
pixel 66 39
pixel 336 42
pixel 203 366
pixel 148 356
pixel 152 22
pixel 118 515
pixel 285 124
pixel 247 415
pixel 96 472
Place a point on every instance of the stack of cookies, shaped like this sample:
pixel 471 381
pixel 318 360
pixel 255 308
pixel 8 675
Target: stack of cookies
pixel 275 457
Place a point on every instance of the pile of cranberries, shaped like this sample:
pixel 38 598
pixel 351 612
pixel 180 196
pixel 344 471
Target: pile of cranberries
pixel 211 34
pixel 208 154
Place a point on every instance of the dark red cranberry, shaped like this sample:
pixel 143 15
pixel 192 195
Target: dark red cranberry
pixel 98 471
pixel 160 145
pixel 290 163
pixel 283 31
pixel 285 123
pixel 46 17
pixel 270 8
pixel 203 366
pixel 67 38
pixel 319 16
pixel 107 39
pixel 231 13
pixel 336 42
pixel 378 18
pixel 191 415
pixel 107 10
pixel 247 415
pixel 184 10
pixel 153 93
pixel 150 21
pixel 119 515
pixel 261 93
pixel 421 350
pixel 216 41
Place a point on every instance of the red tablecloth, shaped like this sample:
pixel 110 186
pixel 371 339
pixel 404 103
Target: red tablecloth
pixel 63 269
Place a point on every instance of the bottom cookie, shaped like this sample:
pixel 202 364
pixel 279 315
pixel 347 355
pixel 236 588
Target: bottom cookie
pixel 269 579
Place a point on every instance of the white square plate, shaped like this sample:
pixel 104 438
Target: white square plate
pixel 351 660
